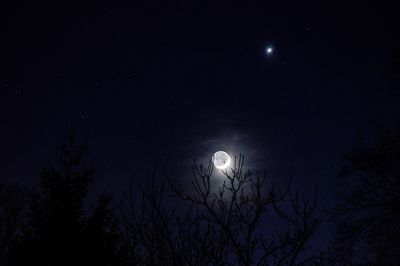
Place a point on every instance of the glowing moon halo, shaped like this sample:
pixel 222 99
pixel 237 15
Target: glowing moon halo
pixel 221 160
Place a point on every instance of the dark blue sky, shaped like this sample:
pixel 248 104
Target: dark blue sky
pixel 169 83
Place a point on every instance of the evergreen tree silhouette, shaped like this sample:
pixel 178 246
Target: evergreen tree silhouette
pixel 59 232
pixel 102 243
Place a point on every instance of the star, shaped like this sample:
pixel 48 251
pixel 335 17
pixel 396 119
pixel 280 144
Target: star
pixel 269 50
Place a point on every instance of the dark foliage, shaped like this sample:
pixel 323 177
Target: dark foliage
pixel 58 232
pixel 367 216
pixel 12 214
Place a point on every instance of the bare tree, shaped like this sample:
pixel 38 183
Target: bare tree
pixel 244 221
pixel 148 226
pixel 367 216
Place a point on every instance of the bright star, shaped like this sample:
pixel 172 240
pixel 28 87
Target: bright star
pixel 268 50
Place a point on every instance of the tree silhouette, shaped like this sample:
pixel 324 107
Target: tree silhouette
pixel 101 238
pixel 12 214
pixel 367 216
pixel 243 221
pixel 59 231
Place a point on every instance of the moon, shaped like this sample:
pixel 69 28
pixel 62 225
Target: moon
pixel 221 160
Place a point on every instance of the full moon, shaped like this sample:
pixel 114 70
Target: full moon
pixel 221 160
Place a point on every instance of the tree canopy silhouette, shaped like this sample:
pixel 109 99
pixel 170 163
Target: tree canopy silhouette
pixel 12 216
pixel 59 232
pixel 243 221
pixel 367 215
pixel 241 218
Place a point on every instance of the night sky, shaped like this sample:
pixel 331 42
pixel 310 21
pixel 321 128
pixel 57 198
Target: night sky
pixel 166 84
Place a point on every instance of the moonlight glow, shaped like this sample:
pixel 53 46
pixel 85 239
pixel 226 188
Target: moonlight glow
pixel 221 160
